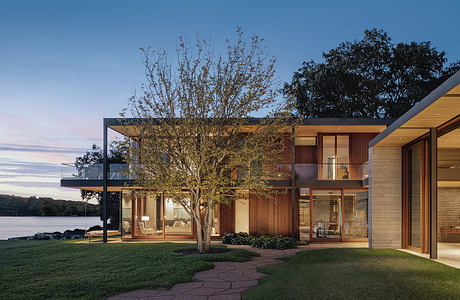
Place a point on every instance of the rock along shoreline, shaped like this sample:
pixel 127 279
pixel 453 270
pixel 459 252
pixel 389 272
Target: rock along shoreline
pixel 66 235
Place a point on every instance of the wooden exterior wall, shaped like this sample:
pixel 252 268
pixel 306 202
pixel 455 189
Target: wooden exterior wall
pixel 306 155
pixel 271 216
pixel 227 218
pixel 359 146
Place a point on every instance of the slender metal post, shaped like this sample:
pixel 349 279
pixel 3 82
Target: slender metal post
pixel 104 186
pixel 293 184
pixel 433 193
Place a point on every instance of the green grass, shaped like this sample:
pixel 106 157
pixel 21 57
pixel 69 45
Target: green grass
pixel 357 274
pixel 64 270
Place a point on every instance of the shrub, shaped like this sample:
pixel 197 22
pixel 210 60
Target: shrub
pixel 260 241
pixel 241 238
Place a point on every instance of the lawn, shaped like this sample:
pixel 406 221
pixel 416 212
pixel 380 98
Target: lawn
pixel 357 274
pixel 63 270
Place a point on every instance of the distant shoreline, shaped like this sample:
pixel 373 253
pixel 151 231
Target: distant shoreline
pixel 17 206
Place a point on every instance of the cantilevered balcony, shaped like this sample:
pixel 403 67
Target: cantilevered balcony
pixel 90 176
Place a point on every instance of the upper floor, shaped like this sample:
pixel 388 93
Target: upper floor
pixel 315 150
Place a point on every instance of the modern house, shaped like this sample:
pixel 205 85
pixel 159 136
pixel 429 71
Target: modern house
pixel 394 183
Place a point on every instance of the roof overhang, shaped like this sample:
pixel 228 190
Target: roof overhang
pixel 437 108
pixel 127 127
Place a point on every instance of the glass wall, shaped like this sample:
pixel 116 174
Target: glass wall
pixel 304 214
pixel 355 214
pixel 148 215
pixel 415 194
pixel 329 159
pixel 326 210
pixel 336 157
pixel 177 220
pixel 126 214
pixel 215 221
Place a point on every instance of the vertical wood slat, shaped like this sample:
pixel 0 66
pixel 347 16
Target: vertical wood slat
pixel 270 216
pixel 227 218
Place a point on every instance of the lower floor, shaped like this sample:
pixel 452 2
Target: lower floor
pixel 313 214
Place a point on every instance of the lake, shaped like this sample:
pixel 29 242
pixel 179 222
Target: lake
pixel 25 226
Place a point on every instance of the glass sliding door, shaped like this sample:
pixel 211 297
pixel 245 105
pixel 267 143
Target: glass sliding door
pixel 335 157
pixel 177 220
pixel 343 157
pixel 126 214
pixel 326 214
pixel 147 215
pixel 329 157
pixel 415 194
pixel 355 214
pixel 304 214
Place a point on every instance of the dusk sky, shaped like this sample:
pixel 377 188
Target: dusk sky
pixel 64 65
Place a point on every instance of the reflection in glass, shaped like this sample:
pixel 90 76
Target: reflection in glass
pixel 326 220
pixel 177 220
pixel 304 219
pixel 355 214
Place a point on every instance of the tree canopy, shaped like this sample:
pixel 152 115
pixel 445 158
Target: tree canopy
pixel 195 145
pixel 369 78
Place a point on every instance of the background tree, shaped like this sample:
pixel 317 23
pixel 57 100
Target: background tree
pixel 370 78
pixel 194 142
pixel 95 156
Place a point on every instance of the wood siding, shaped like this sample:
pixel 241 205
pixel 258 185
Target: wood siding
pixel 227 218
pixel 306 155
pixel 271 215
pixel 359 147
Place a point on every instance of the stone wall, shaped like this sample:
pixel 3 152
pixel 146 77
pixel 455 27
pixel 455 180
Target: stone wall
pixel 385 197
pixel 448 212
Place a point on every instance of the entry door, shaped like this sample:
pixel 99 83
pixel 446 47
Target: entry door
pixel 242 215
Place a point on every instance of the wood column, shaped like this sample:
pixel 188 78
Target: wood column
pixel 433 175
pixel 293 184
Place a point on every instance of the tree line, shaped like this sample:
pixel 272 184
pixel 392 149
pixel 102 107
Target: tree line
pixel 44 206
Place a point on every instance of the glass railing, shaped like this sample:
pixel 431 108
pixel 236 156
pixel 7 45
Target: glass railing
pixel 94 171
pixel 332 171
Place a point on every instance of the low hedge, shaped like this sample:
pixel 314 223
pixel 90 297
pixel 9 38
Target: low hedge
pixel 260 241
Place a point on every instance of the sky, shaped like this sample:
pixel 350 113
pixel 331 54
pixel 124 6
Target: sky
pixel 65 65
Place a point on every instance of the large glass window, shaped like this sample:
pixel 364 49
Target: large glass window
pixel 335 156
pixel 326 220
pixel 304 214
pixel 415 196
pixel 177 220
pixel 355 214
pixel 148 216
pixel 126 215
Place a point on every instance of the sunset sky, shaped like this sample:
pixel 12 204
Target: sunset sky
pixel 64 65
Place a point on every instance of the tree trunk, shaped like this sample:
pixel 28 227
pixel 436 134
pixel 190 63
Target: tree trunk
pixel 199 230
pixel 207 229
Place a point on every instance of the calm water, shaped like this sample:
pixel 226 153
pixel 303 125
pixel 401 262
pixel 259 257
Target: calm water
pixel 24 226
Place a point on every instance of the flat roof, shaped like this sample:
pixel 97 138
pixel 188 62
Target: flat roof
pixel 437 108
pixel 305 127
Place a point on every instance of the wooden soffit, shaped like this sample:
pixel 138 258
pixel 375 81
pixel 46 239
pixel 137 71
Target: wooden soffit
pixel 437 108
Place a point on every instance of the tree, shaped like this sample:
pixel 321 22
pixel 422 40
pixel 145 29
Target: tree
pixel 370 78
pixel 193 126
pixel 96 156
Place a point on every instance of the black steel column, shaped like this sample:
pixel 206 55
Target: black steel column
pixel 433 193
pixel 293 183
pixel 104 186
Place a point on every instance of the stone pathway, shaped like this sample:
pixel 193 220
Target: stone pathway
pixel 227 280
